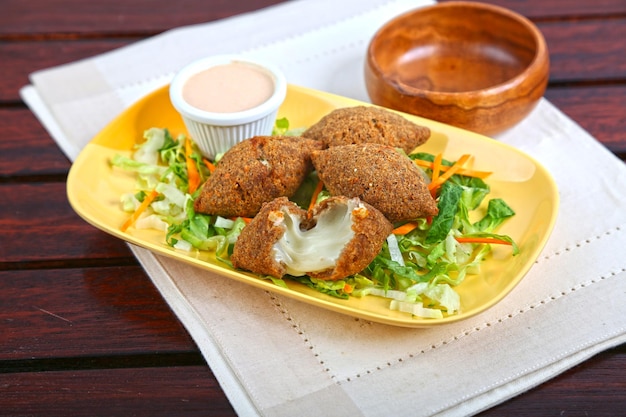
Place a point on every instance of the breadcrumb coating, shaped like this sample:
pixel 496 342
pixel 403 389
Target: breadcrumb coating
pixel 256 171
pixel 367 124
pixel 253 250
pixel 379 175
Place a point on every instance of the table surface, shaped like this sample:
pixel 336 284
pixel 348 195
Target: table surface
pixel 82 328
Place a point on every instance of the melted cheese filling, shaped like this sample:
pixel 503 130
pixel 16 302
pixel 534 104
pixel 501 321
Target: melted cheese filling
pixel 316 249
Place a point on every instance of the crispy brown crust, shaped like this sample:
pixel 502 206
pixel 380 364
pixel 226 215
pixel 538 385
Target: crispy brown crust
pixel 256 171
pixel 370 228
pixel 378 175
pixel 253 250
pixel 367 124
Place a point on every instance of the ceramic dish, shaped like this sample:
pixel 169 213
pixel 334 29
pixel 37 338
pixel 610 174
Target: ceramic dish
pixel 94 190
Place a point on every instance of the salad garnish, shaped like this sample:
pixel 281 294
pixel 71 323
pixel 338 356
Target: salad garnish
pixel 420 264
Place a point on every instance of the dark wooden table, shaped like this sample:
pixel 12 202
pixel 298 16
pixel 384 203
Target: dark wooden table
pixel 82 329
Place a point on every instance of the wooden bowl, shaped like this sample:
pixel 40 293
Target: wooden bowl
pixel 476 66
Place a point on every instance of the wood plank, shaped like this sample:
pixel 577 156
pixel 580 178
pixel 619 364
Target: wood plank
pixel 538 9
pixel 598 109
pixel 152 392
pixel 140 17
pixel 594 388
pixel 153 16
pixel 85 313
pixel 25 137
pixel 42 210
pixel 589 51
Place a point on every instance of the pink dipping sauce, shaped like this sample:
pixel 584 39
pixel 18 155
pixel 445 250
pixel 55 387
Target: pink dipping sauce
pixel 228 88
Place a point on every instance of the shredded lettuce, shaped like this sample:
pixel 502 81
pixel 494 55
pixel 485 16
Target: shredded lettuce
pixel 449 200
pixel 497 212
pixel 148 152
pixel 160 164
pixel 282 128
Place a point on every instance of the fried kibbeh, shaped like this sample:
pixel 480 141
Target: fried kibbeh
pixel 379 175
pixel 366 124
pixel 339 237
pixel 255 171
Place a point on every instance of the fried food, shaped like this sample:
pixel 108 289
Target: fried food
pixel 256 171
pixel 379 175
pixel 366 124
pixel 339 237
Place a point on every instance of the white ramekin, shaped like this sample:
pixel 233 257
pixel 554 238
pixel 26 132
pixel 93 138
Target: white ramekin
pixel 215 133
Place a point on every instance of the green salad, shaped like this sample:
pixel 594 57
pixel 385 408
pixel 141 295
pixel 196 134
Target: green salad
pixel 420 263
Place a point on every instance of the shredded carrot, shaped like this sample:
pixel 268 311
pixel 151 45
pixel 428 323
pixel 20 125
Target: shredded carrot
pixel 192 170
pixel 142 207
pixel 423 163
pixel 210 166
pixel 245 219
pixel 436 171
pixel 434 185
pixel 474 173
pixel 404 229
pixel 462 171
pixel 316 193
pixel 437 166
pixel 348 288
pixel 482 240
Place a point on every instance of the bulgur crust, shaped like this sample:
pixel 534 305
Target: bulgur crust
pixel 367 124
pixel 378 175
pixel 254 249
pixel 256 171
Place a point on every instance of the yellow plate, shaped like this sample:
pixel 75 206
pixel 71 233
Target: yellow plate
pixel 94 191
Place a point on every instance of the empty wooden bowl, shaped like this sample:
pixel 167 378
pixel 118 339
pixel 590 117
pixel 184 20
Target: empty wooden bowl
pixel 472 65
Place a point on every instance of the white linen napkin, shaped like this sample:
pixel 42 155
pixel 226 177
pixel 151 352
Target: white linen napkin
pixel 274 356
